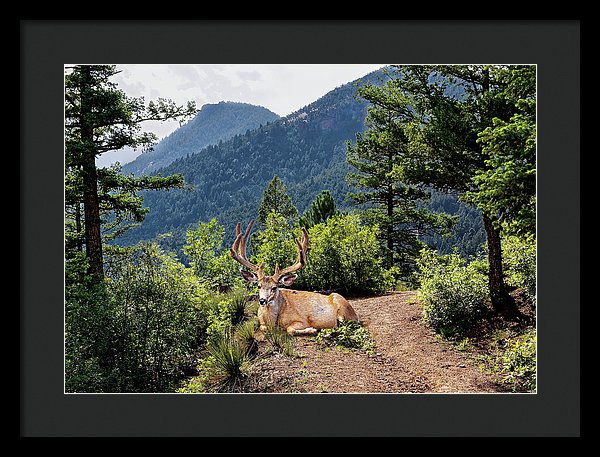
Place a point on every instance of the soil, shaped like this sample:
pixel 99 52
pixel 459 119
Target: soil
pixel 408 358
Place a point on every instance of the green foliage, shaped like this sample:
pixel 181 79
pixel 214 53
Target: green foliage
pixel 321 209
pixel 229 358
pixel 275 244
pixel 344 256
pixel 88 331
pixel 506 187
pixel 380 159
pixel 513 356
pixel 453 294
pixel 219 311
pixel 136 332
pixel 519 363
pixel 347 334
pixel 520 260
pixel 154 300
pixel 276 199
pixel 245 334
pixel 204 249
pixel 472 132
pixel 280 340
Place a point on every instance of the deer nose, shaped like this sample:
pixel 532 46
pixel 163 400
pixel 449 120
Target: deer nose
pixel 262 301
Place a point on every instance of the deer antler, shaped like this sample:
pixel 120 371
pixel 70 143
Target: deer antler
pixel 303 248
pixel 238 250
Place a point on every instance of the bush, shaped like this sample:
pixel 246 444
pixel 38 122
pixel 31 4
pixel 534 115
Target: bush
pixel 88 333
pixel 519 363
pixel 154 301
pixel 229 357
pixel 347 334
pixel 344 256
pixel 212 265
pixel 219 311
pixel 519 256
pixel 275 244
pixel 453 294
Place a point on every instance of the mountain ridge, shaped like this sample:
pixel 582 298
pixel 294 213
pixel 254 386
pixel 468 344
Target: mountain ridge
pixel 213 123
pixel 306 149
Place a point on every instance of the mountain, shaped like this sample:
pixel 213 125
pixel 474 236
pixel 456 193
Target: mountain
pixel 306 149
pixel 213 123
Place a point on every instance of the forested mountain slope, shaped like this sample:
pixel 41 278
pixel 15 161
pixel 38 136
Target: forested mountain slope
pixel 213 123
pixel 306 149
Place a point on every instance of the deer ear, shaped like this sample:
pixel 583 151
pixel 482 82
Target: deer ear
pixel 249 276
pixel 287 280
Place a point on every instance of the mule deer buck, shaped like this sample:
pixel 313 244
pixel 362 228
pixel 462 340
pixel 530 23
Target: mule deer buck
pixel 298 312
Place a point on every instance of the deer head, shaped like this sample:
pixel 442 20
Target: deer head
pixel 269 285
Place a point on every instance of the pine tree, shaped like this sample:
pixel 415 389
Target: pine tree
pixel 275 198
pixel 321 209
pixel 100 118
pixel 378 158
pixel 463 117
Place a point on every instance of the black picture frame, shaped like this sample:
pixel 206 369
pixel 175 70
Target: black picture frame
pixel 47 45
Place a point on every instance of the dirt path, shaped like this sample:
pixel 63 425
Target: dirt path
pixel 408 358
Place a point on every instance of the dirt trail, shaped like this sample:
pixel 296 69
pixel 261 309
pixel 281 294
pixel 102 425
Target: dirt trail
pixel 408 358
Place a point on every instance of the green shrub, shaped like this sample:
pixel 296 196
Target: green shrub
pixel 245 334
pixel 345 256
pixel 453 294
pixel 519 256
pixel 209 261
pixel 88 333
pixel 154 323
pixel 348 334
pixel 275 244
pixel 519 363
pixel 221 310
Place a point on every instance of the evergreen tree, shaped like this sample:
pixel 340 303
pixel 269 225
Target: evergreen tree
pixel 101 118
pixel 458 143
pixel 506 187
pixel 321 209
pixel 275 198
pixel 378 158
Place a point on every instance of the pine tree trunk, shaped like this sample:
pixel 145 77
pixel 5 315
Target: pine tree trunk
pixel 91 203
pixel 390 226
pixel 93 239
pixel 501 300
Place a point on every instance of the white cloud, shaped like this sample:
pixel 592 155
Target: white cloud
pixel 282 88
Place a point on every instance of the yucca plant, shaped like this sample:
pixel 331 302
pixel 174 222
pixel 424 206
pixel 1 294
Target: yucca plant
pixel 280 340
pixel 237 306
pixel 230 359
pixel 245 335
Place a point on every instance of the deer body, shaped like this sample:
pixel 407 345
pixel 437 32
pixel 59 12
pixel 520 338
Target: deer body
pixel 298 312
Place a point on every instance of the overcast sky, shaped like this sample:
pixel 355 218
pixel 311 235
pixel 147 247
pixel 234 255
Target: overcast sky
pixel 282 88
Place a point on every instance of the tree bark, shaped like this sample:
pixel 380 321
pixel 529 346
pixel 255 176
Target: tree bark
pixel 501 300
pixel 91 203
pixel 93 239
